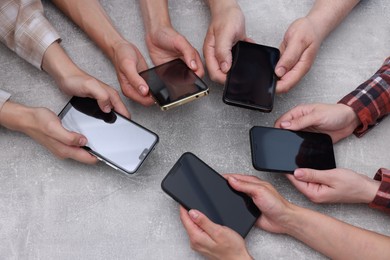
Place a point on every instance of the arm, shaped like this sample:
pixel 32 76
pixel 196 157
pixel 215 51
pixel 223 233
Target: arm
pixel 331 237
pixel 163 41
pixel 304 37
pixel 226 28
pixel 363 108
pixel 126 58
pixel 45 127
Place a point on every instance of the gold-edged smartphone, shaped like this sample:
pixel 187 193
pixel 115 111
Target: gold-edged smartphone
pixel 173 83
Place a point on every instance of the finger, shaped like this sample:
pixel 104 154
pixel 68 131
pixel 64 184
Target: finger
pixel 81 155
pixel 191 56
pixel 290 56
pixel 250 188
pixel 298 118
pixel 117 102
pixel 213 67
pixel 93 89
pixel 56 131
pixel 223 51
pixel 129 68
pixel 292 77
pixel 313 176
pixel 203 222
pixel 247 178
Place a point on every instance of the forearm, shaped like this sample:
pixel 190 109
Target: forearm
pixel 57 63
pixel 155 14
pixel 93 20
pixel 15 116
pixel 336 239
pixel 327 14
pixel 217 6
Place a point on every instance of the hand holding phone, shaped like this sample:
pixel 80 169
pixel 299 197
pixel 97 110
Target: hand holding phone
pixel 112 138
pixel 195 185
pixel 251 80
pixel 173 83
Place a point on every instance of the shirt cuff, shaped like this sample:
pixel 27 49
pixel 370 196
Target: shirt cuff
pixel 33 40
pixel 371 100
pixel 382 197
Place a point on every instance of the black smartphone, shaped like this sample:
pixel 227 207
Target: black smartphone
pixel 251 81
pixel 280 150
pixel 173 83
pixel 114 139
pixel 195 185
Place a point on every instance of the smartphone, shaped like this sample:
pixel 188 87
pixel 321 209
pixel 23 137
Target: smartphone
pixel 114 139
pixel 280 150
pixel 251 81
pixel 195 185
pixel 173 83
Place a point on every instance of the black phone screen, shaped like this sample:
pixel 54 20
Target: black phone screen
pixel 116 140
pixel 172 81
pixel 251 80
pixel 195 185
pixel 283 150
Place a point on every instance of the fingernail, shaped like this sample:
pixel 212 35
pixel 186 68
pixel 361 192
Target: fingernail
pixel 193 214
pixel 285 124
pixel 107 109
pixel 82 141
pixel 299 173
pixel 142 90
pixel 280 71
pixel 224 67
pixel 193 65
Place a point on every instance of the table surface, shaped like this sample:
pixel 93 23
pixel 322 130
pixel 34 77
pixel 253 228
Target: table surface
pixel 62 209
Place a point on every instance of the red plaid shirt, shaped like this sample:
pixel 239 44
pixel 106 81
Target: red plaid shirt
pixel 371 103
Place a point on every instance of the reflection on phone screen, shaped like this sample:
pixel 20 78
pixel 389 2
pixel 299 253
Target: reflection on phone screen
pixel 251 80
pixel 110 136
pixel 283 150
pixel 197 186
pixel 172 81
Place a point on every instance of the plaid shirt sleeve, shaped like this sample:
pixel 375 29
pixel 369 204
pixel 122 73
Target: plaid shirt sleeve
pixel 382 198
pixel 371 100
pixel 25 30
pixel 4 96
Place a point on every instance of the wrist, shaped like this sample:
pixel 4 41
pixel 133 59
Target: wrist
pixel 15 116
pixel 218 6
pixel 350 116
pixel 155 15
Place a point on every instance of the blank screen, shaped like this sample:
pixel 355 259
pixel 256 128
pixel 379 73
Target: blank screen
pixel 251 80
pixel 196 186
pixel 113 137
pixel 283 150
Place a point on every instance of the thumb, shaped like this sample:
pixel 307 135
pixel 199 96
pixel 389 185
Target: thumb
pixel 203 222
pixel 311 175
pixel 223 53
pixel 299 123
pixel 290 56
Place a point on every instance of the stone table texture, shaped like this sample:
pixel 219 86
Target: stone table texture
pixel 62 209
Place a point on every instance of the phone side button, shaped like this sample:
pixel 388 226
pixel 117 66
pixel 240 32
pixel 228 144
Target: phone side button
pixel 111 165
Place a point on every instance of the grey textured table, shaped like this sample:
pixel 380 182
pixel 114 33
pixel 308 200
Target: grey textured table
pixel 61 209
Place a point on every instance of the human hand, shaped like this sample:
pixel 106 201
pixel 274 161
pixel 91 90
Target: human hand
pixel 45 127
pixel 226 28
pixel 165 44
pixel 212 240
pixel 298 51
pixel 128 62
pixel 75 82
pixel 275 210
pixel 336 120
pixel 336 185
